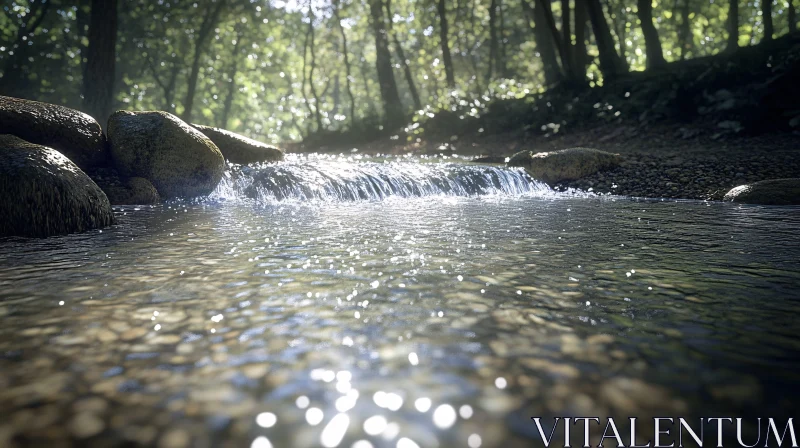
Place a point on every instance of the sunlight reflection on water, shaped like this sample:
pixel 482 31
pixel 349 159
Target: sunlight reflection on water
pixel 406 322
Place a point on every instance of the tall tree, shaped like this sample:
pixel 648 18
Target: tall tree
pixel 398 48
pixel 566 31
pixel 310 44
pixel 98 82
pixel 392 106
pixel 562 40
pixel 347 66
pixel 655 56
pixel 766 18
pixel 493 50
pixel 733 25
pixel 445 44
pixel 619 26
pixel 232 84
pixel 211 17
pixel 791 16
pixel 502 65
pixel 580 55
pixel 544 42
pixel 685 41
pixel 610 64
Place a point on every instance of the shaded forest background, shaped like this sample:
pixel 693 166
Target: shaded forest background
pixel 288 70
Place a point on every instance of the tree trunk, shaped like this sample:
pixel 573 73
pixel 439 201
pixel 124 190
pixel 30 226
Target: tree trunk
pixel 227 106
pixel 82 19
pixel 655 56
pixel 312 47
pixel 581 57
pixel 98 84
pixel 474 57
pixel 610 64
pixel 562 45
pixel 348 68
pixel 566 39
pixel 492 41
pixel 792 17
pixel 733 26
pixel 306 101
pixel 684 33
pixel 210 21
pixel 392 106
pixel 766 17
pixel 412 86
pixel 544 42
pixel 445 44
pixel 502 62
pixel 619 28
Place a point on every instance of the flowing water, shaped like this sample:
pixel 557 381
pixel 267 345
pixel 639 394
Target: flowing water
pixel 385 303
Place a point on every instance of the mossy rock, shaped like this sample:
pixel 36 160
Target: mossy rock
pixel 240 149
pixel 767 192
pixel 42 193
pixel 179 160
pixel 70 132
pixel 565 165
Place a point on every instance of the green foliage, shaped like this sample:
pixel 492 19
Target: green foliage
pixel 252 73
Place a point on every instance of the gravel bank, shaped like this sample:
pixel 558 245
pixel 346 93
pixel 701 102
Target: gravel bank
pixel 688 177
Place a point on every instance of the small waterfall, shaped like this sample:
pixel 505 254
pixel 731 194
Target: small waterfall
pixel 349 180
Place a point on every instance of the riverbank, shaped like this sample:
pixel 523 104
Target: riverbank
pixel 693 130
pixel 662 161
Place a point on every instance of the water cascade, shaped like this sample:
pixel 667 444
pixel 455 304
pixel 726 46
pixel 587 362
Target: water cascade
pixel 345 180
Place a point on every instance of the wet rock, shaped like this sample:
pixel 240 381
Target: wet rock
pixel 74 134
pixel 238 148
pixel 767 192
pixel 565 165
pixel 490 159
pixel 179 160
pixel 129 191
pixel 42 193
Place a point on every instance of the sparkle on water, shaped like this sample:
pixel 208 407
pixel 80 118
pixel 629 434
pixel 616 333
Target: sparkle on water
pixel 337 178
pixel 441 320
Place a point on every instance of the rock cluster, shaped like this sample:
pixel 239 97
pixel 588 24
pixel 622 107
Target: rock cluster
pixel 47 150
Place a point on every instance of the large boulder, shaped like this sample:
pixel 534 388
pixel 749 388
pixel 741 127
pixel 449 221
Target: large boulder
pixel 42 193
pixel 240 149
pixel 68 131
pixel 767 192
pixel 565 165
pixel 178 159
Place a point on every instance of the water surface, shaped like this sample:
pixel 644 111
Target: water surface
pixel 437 320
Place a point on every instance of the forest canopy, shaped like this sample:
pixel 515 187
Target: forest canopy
pixel 283 70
